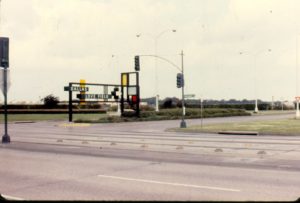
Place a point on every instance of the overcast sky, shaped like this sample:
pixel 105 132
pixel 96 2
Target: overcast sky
pixel 239 49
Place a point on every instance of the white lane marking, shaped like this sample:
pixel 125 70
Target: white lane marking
pixel 172 184
pixel 7 197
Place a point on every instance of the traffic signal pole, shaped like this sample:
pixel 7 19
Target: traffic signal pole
pixel 182 123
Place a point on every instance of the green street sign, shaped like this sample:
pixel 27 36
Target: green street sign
pixel 76 88
pixel 189 96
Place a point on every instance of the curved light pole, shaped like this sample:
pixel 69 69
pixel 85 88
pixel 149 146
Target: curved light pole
pixel 255 55
pixel 155 38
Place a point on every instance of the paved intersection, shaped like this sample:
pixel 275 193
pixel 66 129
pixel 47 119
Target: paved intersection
pixel 140 161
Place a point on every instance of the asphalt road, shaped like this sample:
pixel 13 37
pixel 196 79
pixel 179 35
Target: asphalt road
pixel 140 161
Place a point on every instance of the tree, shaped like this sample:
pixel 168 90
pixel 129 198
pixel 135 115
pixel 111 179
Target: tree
pixel 50 101
pixel 170 102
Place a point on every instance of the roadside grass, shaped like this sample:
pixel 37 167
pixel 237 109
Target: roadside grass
pixel 168 114
pixel 163 114
pixel 278 127
pixel 271 112
pixel 49 117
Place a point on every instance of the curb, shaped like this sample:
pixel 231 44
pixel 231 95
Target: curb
pixel 238 133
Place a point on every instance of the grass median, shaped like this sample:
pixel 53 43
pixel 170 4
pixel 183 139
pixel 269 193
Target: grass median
pixel 49 117
pixel 274 127
pixel 164 114
pixel 169 114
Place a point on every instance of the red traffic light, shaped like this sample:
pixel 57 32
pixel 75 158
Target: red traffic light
pixel 134 98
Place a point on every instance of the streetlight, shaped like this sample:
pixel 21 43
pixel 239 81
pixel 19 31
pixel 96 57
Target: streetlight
pixel 156 37
pixel 297 92
pixel 255 60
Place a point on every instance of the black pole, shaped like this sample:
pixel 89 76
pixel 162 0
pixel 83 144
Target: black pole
pixel 182 123
pixel 122 95
pixel 5 137
pixel 70 103
pixel 201 107
pixel 138 95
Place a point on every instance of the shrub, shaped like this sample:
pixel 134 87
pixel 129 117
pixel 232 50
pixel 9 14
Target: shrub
pixel 146 108
pixel 50 101
pixel 169 102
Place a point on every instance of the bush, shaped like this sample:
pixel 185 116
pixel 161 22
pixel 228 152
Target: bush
pixel 50 101
pixel 89 106
pixel 146 108
pixel 169 102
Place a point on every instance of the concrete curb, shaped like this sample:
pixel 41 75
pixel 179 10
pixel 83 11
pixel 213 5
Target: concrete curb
pixel 238 133
pixel 9 198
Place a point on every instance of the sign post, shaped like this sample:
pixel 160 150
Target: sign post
pixel 201 111
pixel 84 96
pixel 4 62
pixel 130 93
pixel 297 107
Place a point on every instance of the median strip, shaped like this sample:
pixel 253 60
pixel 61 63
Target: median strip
pixel 285 127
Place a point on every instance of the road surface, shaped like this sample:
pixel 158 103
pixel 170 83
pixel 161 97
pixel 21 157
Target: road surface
pixel 140 161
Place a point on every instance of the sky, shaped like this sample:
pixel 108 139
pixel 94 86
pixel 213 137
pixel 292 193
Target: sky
pixel 233 49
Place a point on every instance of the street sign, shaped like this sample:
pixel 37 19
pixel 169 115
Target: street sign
pixel 77 88
pixel 189 95
pixel 94 96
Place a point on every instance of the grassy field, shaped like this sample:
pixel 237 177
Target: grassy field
pixel 49 117
pixel 272 112
pixel 168 114
pixel 164 114
pixel 278 127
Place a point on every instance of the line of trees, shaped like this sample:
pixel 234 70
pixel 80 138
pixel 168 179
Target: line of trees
pixel 173 102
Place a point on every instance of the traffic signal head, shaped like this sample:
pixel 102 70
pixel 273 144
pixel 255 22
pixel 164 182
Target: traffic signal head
pixel 137 63
pixel 134 99
pixel 4 59
pixel 179 80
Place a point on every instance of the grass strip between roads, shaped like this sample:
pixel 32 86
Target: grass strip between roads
pixel 274 127
pixel 164 114
pixel 49 117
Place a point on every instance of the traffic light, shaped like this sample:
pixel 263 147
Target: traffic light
pixel 137 63
pixel 180 80
pixel 114 93
pixel 134 99
pixel 4 42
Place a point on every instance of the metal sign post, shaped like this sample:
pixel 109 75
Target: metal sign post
pixel 4 62
pixel 297 107
pixel 201 109
pixel 5 137
pixel 130 93
pixel 105 96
